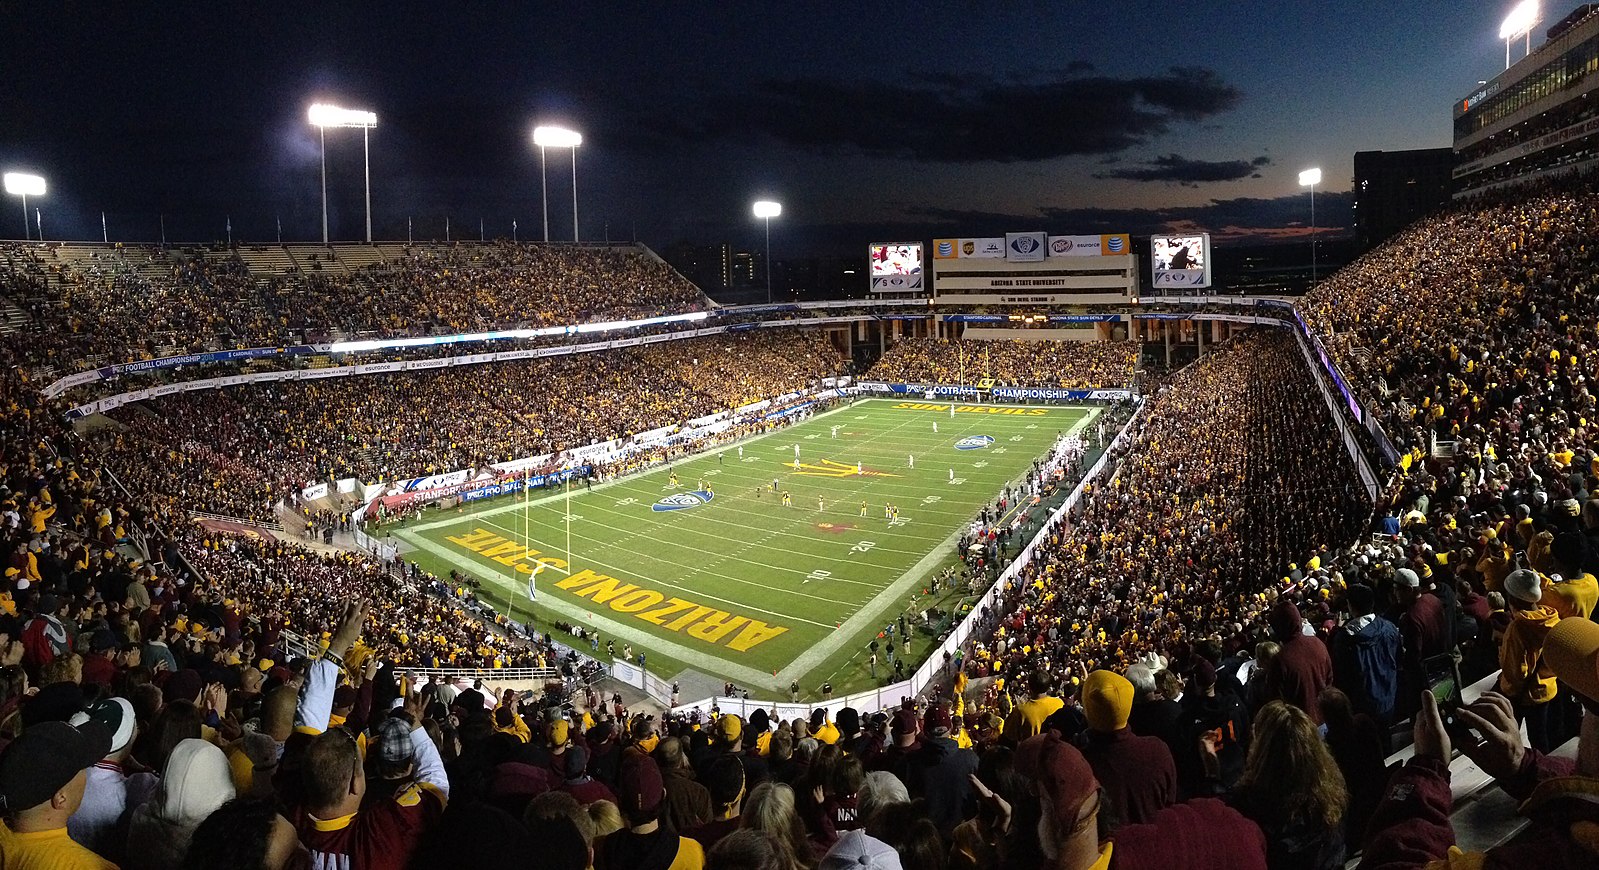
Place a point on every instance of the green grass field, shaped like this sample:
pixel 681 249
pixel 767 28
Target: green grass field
pixel 734 584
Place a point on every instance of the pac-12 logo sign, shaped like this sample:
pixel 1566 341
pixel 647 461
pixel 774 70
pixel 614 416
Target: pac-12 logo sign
pixel 974 442
pixel 1114 243
pixel 1024 244
pixel 678 501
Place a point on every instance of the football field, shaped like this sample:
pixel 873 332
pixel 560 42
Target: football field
pixel 717 573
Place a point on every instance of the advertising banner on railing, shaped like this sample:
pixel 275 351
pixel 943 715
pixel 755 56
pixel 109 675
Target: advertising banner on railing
pixel 517 483
pixel 1052 394
pixel 1084 318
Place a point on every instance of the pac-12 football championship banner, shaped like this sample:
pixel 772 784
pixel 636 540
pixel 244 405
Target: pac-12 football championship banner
pixel 1026 247
pixel 1108 245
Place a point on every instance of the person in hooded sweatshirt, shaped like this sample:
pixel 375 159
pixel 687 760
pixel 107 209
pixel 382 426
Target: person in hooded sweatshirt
pixel 1366 657
pixel 1302 667
pixel 1524 677
pixel 197 781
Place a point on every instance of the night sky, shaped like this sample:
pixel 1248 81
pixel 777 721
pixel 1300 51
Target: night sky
pixel 867 121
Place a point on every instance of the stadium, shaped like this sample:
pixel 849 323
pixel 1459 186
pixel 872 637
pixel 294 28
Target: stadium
pixel 1044 550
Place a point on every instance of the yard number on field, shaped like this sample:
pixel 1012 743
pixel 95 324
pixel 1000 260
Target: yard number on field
pixel 626 501
pixel 818 574
pixel 932 499
pixel 863 547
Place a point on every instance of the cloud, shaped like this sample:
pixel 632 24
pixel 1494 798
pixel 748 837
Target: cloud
pixel 947 118
pixel 1177 169
pixel 1238 219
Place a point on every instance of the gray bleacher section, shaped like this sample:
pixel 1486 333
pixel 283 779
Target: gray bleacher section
pixel 1483 816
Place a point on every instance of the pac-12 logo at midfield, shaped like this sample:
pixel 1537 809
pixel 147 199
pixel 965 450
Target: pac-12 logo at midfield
pixel 974 442
pixel 678 501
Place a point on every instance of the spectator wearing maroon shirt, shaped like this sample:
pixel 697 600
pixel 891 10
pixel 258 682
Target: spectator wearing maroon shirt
pixel 579 784
pixel 1138 773
pixel 1302 666
pixel 100 666
pixel 724 779
pixel 1423 626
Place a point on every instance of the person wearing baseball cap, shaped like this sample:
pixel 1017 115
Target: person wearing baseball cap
pixel 941 774
pixel 1525 677
pixel 110 794
pixel 644 844
pixel 42 778
pixel 1199 833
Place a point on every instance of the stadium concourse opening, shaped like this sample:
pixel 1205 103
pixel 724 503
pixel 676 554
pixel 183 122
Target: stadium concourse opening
pixel 771 560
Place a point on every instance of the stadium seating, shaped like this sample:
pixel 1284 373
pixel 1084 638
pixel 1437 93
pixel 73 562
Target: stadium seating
pixel 1014 363
pixel 90 305
pixel 1230 519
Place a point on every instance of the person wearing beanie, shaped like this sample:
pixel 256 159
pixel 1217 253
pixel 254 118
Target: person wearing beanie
pixel 577 782
pixel 1366 654
pixel 1524 676
pixel 644 844
pixel 1424 626
pixel 1138 774
pixel 111 794
pixel 941 773
pixel 1302 666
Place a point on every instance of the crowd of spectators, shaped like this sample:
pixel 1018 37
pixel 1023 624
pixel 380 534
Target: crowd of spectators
pixel 1072 365
pixel 238 451
pixel 1202 666
pixel 122 304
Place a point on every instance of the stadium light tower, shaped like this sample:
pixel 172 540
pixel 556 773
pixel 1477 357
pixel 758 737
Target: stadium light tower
pixel 24 185
pixel 325 116
pixel 557 137
pixel 1519 22
pixel 766 210
pixel 1310 178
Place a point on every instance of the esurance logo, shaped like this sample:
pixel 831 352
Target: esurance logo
pixel 974 442
pixel 682 501
pixel 1024 245
pixel 1115 244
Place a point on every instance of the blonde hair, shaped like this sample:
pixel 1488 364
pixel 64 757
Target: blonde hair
pixel 607 817
pixel 1290 770
pixel 771 808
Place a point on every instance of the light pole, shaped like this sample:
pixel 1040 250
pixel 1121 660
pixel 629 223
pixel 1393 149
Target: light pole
pixel 557 137
pixel 24 185
pixel 325 116
pixel 766 210
pixel 1310 178
pixel 1519 22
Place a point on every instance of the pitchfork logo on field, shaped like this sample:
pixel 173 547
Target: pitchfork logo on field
pixel 682 501
pixel 974 442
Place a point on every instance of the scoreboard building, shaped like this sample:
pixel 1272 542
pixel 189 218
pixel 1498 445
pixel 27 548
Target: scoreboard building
pixel 1035 269
pixel 1540 117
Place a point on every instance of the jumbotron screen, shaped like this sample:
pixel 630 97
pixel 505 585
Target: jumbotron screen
pixel 1181 261
pixel 896 267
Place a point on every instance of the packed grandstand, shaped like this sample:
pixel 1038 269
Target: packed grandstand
pixel 1216 648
